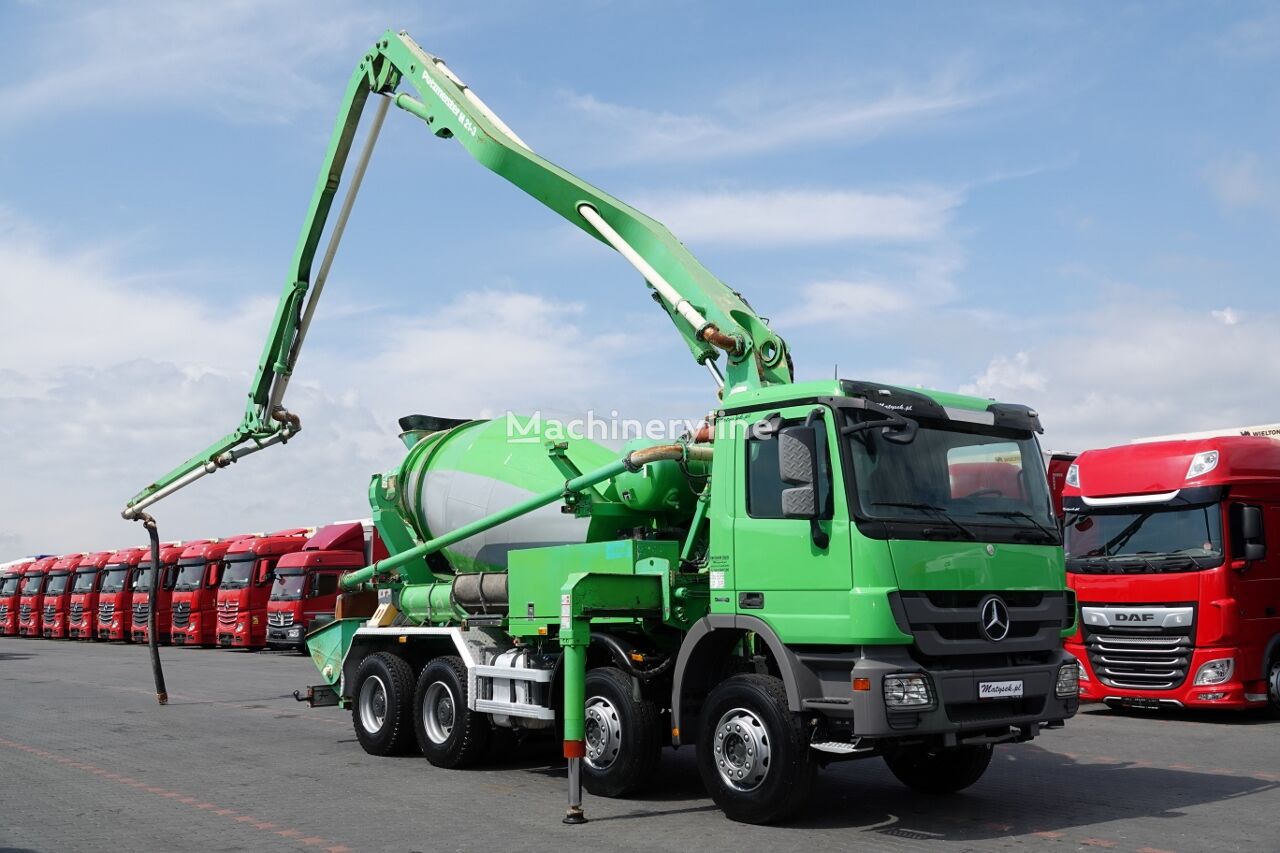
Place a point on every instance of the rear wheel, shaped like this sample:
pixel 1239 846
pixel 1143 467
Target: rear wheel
pixel 1273 687
pixel 383 704
pixel 942 771
pixel 449 735
pixel 753 754
pixel 623 739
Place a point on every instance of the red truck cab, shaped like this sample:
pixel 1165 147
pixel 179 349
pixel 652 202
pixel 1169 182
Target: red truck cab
pixel 31 596
pixel 170 552
pixel 82 612
pixel 10 586
pixel 247 583
pixel 194 606
pixel 115 593
pixel 306 582
pixel 1173 549
pixel 57 596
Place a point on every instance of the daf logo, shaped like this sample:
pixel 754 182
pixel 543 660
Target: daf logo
pixel 1135 617
pixel 993 618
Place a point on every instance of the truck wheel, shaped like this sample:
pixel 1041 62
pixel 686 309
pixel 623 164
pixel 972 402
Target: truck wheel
pixel 449 735
pixel 623 740
pixel 752 752
pixel 943 771
pixel 384 702
pixel 1273 688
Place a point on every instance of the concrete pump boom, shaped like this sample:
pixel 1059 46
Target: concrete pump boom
pixel 709 316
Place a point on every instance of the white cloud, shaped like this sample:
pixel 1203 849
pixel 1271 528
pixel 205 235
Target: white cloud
pixel 1239 182
pixel 244 60
pixel 1141 367
pixel 1227 316
pixel 106 386
pixel 797 217
pixel 770 117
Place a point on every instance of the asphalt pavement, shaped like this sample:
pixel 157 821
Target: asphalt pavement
pixel 90 762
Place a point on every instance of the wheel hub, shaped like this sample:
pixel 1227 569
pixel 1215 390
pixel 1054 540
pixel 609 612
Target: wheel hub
pixel 438 712
pixel 742 750
pixel 373 704
pixel 603 733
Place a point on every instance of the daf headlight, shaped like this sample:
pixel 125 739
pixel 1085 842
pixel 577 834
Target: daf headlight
pixel 908 691
pixel 1068 680
pixel 1202 463
pixel 1215 671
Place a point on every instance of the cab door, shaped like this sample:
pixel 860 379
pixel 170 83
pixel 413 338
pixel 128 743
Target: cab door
pixel 792 572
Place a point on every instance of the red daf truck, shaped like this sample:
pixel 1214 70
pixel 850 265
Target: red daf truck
pixel 10 584
pixel 247 583
pixel 1173 549
pixel 57 596
pixel 82 612
pixel 170 552
pixel 195 593
pixel 115 593
pixel 31 596
pixel 306 584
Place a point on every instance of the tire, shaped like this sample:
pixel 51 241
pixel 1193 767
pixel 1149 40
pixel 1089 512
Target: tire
pixel 1273 688
pixel 448 734
pixel 944 771
pixel 383 707
pixel 623 736
pixel 748 732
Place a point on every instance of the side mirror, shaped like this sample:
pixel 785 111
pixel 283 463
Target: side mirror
pixel 1251 523
pixel 1251 536
pixel 797 462
pixel 902 433
pixel 263 574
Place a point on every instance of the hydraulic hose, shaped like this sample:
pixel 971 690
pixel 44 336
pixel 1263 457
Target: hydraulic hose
pixel 153 634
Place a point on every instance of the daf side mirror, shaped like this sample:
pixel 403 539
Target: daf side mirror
pixel 1252 537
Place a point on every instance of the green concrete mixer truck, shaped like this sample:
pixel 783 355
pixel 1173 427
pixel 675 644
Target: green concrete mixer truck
pixel 808 577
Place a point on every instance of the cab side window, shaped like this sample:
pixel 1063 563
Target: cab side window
pixel 765 486
pixel 326 584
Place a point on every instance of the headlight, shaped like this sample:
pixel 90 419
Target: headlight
pixel 1215 671
pixel 295 632
pixel 1073 475
pixel 907 691
pixel 1202 463
pixel 1068 680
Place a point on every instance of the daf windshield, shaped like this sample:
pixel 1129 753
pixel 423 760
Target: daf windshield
pixel 113 577
pixel 288 587
pixel 8 585
pixel 954 480
pixel 84 580
pixel 31 584
pixel 190 573
pixel 238 572
pixel 57 584
pixel 1167 539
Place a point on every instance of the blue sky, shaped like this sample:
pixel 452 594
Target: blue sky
pixel 1076 207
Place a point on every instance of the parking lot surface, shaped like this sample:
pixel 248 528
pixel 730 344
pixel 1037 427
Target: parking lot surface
pixel 89 762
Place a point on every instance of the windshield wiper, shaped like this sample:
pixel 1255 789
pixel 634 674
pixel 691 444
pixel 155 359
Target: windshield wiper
pixel 1017 513
pixel 937 510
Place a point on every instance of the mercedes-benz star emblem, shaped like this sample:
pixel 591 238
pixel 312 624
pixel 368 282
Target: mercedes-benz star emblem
pixel 993 618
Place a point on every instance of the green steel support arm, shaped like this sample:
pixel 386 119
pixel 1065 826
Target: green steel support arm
pixel 709 316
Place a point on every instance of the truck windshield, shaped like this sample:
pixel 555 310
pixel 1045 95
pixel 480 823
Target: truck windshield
pixel 288 587
pixel 57 584
pixel 190 573
pixel 113 577
pixel 955 480
pixel 84 580
pixel 238 572
pixel 31 585
pixel 9 585
pixel 143 582
pixel 1169 539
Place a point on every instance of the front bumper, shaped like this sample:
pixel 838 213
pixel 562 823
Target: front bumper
pixel 289 638
pixel 957 713
pixel 1234 693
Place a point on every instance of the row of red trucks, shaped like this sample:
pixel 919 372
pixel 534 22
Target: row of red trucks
pixel 249 591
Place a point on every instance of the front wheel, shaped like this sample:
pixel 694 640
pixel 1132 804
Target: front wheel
pixel 383 705
pixel 753 755
pixel 1273 688
pixel 942 771
pixel 623 735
